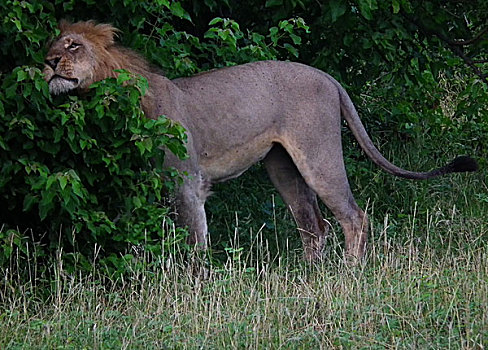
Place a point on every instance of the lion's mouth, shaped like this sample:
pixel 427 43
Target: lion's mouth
pixel 59 84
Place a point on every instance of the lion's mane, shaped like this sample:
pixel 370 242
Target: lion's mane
pixel 107 55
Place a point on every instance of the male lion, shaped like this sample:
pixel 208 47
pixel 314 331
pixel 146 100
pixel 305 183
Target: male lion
pixel 286 114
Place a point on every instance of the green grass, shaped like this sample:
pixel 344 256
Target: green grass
pixel 425 291
pixel 424 284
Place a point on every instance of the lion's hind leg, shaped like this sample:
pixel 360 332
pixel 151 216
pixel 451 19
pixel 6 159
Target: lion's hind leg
pixel 301 201
pixel 330 183
pixel 320 161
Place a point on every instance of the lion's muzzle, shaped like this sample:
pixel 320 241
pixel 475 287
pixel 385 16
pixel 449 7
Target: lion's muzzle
pixel 59 85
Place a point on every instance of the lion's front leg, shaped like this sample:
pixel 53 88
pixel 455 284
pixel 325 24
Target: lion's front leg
pixel 190 206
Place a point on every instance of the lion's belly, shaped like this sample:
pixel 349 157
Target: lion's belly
pixel 223 162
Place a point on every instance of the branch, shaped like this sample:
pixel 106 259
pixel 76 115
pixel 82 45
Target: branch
pixel 456 46
pixel 458 51
pixel 470 41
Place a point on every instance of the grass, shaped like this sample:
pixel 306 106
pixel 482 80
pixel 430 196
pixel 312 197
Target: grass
pixel 429 293
pixel 424 284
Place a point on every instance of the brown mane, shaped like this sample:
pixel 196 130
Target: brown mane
pixel 108 55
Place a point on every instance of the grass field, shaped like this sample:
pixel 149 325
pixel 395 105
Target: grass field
pixel 408 295
pixel 423 285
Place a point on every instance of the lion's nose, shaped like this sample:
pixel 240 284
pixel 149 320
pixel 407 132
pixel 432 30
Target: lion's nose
pixel 53 62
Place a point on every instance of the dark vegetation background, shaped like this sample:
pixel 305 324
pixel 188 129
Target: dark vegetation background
pixel 80 175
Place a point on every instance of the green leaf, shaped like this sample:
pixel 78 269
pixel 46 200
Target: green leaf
pixel 63 181
pixel 274 3
pixel 76 186
pixel 178 11
pixel 396 6
pixel 50 181
pixel 296 39
pixel 123 76
pixel 27 91
pixel 366 7
pixel 46 204
pixel 337 9
pixel 18 24
pixel 215 21
pixel 137 202
pixel 21 75
pixel 141 147
pixel 29 201
pixel 11 91
pixel 148 143
pixel 291 49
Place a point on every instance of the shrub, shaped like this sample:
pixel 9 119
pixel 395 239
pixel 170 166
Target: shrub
pixel 84 172
pixel 89 166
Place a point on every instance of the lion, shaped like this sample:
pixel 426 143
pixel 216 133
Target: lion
pixel 286 114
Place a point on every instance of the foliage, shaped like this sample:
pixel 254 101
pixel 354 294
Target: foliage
pixel 73 164
pixel 395 54
pixel 87 169
pixel 417 73
pixel 416 69
pixel 80 183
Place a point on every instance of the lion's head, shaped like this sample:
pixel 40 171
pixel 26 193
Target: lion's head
pixel 84 53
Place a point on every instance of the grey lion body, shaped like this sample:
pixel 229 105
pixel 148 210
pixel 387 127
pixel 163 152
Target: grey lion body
pixel 286 114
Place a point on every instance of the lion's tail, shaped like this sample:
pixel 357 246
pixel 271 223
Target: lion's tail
pixel 349 113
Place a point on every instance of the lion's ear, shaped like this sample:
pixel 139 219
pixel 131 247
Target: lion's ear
pixel 63 25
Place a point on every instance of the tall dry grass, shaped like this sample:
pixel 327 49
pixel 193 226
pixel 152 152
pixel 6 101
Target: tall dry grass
pixel 409 295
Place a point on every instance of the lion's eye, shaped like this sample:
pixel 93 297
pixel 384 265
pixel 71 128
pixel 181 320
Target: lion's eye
pixel 73 46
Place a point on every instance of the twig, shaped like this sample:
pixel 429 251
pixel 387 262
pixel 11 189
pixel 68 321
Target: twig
pixel 456 46
pixel 469 41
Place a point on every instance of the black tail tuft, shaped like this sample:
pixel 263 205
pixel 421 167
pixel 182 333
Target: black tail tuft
pixel 462 164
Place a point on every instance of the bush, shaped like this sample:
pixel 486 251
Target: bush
pixel 74 164
pixel 401 56
pixel 84 172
